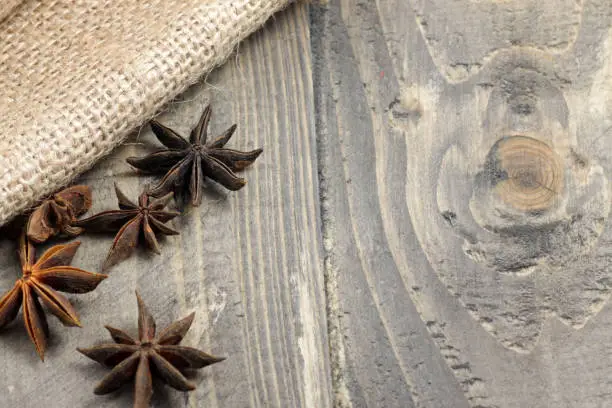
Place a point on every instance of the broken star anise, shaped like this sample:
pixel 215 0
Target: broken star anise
pixel 186 164
pixel 39 282
pixel 58 214
pixel 139 359
pixel 131 221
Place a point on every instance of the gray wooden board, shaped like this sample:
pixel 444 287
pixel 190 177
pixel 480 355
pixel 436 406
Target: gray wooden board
pixel 248 263
pixel 453 277
pixel 427 227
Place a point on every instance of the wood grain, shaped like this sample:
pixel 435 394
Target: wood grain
pixel 462 270
pixel 248 263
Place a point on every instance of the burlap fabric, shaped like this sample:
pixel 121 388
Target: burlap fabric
pixel 76 76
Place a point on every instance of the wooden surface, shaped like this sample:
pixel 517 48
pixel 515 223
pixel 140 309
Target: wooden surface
pixel 427 226
pixel 470 268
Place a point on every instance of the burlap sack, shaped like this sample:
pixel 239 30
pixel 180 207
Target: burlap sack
pixel 77 76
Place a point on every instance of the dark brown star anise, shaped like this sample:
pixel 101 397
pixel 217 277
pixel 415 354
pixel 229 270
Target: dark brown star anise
pixel 59 213
pixel 39 282
pixel 186 164
pixel 131 221
pixel 133 358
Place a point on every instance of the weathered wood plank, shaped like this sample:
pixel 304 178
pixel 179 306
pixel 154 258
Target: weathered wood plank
pixel 466 266
pixel 390 358
pixel 248 263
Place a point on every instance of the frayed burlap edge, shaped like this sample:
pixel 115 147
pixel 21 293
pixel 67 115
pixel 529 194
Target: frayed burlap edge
pixel 46 149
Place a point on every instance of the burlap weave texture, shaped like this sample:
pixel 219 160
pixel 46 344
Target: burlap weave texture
pixel 7 6
pixel 76 76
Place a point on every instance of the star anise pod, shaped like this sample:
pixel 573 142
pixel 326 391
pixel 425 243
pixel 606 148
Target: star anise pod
pixel 39 282
pixel 58 214
pixel 139 359
pixel 186 164
pixel 131 221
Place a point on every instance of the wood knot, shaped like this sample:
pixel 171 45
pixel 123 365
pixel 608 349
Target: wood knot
pixel 525 173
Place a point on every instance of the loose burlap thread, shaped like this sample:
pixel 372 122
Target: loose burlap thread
pixel 77 76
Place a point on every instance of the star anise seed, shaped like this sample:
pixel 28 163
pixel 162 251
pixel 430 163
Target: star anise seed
pixel 186 164
pixel 58 214
pixel 131 221
pixel 150 354
pixel 39 282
